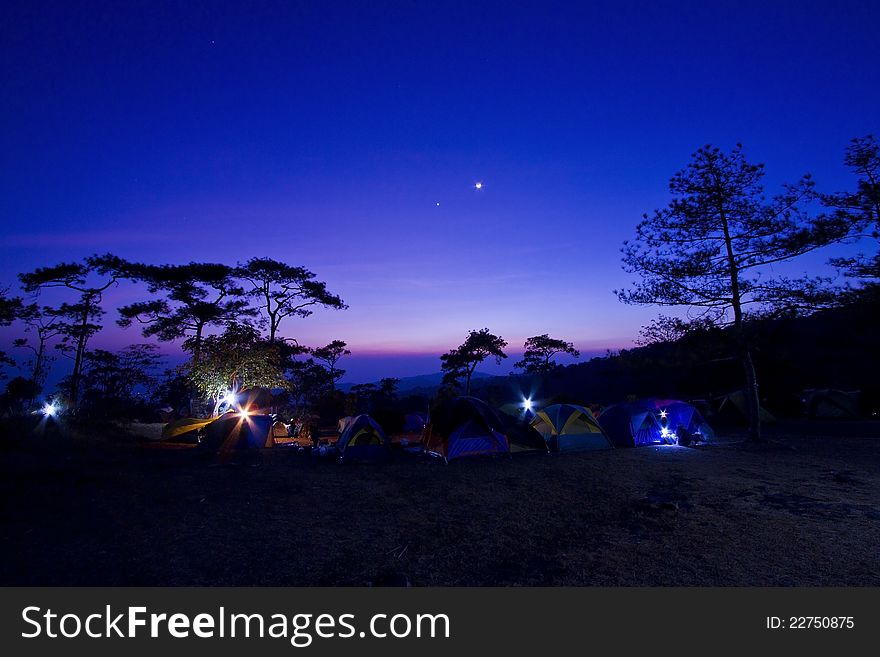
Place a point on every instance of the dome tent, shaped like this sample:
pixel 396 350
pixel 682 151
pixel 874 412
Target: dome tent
pixel 410 430
pixel 414 423
pixel 363 440
pixel 238 431
pixel 832 403
pixel 629 425
pixel 677 417
pixel 733 408
pixel 467 426
pixel 570 428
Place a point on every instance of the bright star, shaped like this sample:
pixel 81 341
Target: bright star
pixel 478 185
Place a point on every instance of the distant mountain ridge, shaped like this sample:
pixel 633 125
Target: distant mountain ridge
pixel 703 366
pixel 418 382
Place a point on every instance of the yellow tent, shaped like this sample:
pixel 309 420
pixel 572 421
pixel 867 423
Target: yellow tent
pixel 569 428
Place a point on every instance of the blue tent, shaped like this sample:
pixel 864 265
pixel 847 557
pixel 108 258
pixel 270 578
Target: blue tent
pixel 678 418
pixel 654 422
pixel 414 423
pixel 363 440
pixel 466 426
pixel 629 425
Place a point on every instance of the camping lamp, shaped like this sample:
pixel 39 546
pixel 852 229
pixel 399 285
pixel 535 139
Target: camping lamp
pixel 527 404
pixel 49 409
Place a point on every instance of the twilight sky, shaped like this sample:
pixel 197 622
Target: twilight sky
pixel 326 134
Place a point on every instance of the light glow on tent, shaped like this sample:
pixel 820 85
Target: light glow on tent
pixel 49 409
pixel 666 433
pixel 228 398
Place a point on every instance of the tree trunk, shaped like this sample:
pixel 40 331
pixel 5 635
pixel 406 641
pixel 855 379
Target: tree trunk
pixel 195 401
pixel 39 355
pixel 752 397
pixel 274 324
pixel 197 346
pixel 742 341
pixel 80 354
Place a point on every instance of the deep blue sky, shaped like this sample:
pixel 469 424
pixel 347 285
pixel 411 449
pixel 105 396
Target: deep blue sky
pixel 326 133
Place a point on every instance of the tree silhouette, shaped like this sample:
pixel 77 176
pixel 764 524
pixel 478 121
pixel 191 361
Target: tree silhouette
pixel 539 352
pixel 10 308
pixel 671 329
pixel 462 361
pixel 308 381
pixel 282 290
pixel 89 279
pixel 114 382
pixel 46 324
pixel 197 296
pixel 330 354
pixel 365 392
pixel 387 389
pixel 861 208
pixel 711 249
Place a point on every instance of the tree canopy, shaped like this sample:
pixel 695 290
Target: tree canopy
pixel 330 354
pixel 462 361
pixel 861 208
pixel 45 323
pixel 538 357
pixel 711 249
pixel 10 307
pixel 196 296
pixel 237 359
pixel 114 382
pixel 671 329
pixel 89 278
pixel 283 290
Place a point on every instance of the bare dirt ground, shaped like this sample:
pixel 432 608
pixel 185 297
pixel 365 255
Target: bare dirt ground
pixel 804 510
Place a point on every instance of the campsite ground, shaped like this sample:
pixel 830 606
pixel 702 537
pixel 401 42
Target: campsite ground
pixel 802 511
